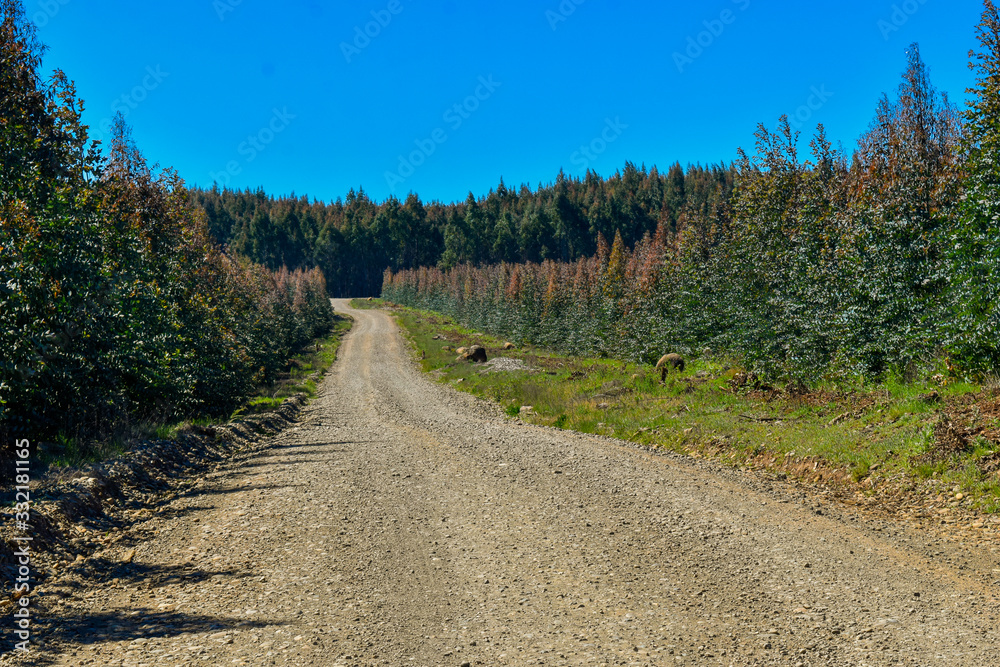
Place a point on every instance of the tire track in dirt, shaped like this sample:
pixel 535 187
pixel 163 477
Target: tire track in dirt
pixel 404 523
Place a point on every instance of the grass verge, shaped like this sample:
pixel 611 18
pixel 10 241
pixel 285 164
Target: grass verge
pixel 305 370
pixel 928 449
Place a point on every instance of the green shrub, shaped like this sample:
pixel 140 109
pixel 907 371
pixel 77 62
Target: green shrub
pixel 116 308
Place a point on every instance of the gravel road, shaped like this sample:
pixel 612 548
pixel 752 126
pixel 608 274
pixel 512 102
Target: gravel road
pixel 404 523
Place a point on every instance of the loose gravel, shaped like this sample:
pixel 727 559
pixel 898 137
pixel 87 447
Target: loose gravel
pixel 404 523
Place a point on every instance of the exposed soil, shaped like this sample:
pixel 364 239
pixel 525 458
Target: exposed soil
pixel 506 365
pixel 404 523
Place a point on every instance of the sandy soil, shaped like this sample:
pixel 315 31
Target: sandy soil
pixel 404 523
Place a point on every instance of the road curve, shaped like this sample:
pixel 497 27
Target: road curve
pixel 404 523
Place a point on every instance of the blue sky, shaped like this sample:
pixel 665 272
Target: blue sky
pixel 443 97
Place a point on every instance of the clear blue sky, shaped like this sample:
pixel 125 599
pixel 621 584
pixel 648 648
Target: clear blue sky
pixel 201 77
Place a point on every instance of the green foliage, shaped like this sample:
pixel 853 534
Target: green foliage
pixel 809 270
pixel 355 239
pixel 975 242
pixel 115 305
pixel 587 307
pixel 874 437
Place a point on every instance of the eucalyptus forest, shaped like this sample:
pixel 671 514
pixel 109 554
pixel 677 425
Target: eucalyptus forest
pixel 803 260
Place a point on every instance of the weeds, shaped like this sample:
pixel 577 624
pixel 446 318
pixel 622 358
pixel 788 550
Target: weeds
pixel 837 435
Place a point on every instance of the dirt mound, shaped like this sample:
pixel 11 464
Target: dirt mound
pixel 507 365
pixel 99 493
pixel 949 439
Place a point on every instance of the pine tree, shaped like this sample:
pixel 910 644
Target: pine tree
pixel 903 189
pixel 975 245
pixel 614 277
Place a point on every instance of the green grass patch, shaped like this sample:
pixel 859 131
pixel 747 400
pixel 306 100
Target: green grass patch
pixel 365 304
pixel 302 373
pixel 837 435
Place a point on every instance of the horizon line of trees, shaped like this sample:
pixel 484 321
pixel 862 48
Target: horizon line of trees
pixel 354 240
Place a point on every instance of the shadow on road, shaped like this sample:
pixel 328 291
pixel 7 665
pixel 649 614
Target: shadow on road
pixel 60 629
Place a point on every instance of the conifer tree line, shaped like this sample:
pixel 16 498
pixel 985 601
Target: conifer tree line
pixel 116 306
pixel 819 265
pixel 354 239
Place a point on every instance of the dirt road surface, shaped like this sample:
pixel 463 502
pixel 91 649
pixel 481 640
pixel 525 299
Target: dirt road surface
pixel 404 523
